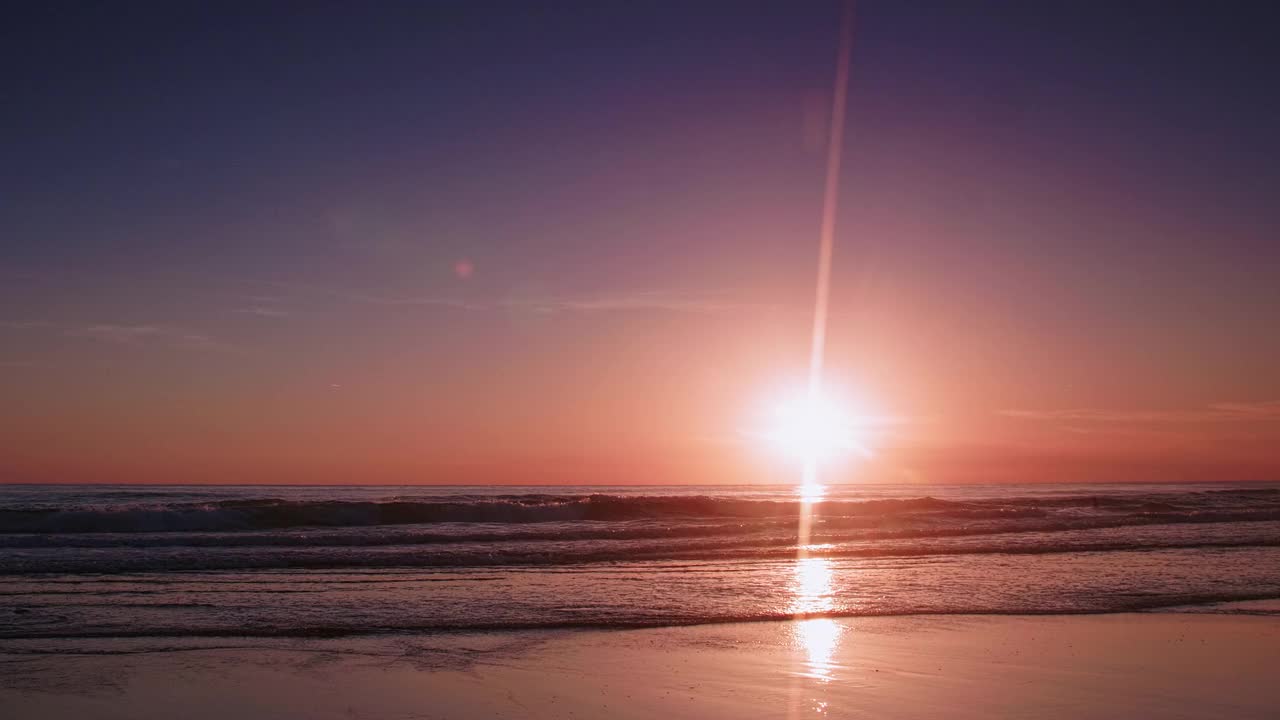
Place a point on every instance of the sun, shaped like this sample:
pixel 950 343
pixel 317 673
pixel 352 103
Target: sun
pixel 816 430
pixel 814 427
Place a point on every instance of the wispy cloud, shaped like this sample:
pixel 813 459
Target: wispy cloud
pixel 415 300
pixel 137 334
pixel 669 301
pixel 265 312
pixel 116 333
pixel 126 334
pixel 1248 411
pixel 642 302
pixel 650 301
pixel 22 324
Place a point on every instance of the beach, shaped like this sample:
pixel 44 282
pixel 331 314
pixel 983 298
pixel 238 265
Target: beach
pixel 257 603
pixel 1164 665
pixel 456 361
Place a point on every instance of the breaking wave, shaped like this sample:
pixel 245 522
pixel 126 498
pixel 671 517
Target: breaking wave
pixel 258 514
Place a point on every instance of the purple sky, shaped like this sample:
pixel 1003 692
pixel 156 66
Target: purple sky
pixel 446 242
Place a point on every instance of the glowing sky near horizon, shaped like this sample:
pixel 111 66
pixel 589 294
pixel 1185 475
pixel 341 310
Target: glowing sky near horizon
pixel 576 243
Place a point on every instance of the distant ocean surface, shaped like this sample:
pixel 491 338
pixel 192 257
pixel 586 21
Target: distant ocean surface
pixel 136 562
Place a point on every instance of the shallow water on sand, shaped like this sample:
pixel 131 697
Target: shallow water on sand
pixel 958 667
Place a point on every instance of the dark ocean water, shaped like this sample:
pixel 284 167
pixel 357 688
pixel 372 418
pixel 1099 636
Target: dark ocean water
pixel 124 561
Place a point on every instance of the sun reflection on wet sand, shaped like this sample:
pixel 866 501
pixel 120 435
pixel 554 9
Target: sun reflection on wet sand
pixel 818 637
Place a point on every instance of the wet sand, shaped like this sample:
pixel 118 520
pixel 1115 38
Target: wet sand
pixel 1105 666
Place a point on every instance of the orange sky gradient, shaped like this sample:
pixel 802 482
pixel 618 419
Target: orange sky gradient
pixel 578 248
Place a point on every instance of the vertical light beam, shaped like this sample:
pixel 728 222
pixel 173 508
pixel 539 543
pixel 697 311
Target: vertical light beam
pixel 810 486
pixel 821 647
pixel 830 203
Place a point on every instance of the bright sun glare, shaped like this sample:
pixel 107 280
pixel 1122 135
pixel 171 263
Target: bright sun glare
pixel 814 429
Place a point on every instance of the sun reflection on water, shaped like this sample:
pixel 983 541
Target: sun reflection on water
pixel 812 492
pixel 812 588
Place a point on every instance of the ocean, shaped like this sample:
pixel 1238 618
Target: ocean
pixel 83 563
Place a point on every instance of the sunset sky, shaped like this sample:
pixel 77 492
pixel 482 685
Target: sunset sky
pixel 576 244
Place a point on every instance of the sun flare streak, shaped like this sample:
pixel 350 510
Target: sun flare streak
pixel 823 428
pixel 817 428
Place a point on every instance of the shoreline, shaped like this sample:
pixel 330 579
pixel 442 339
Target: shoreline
pixel 1170 664
pixel 1261 604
